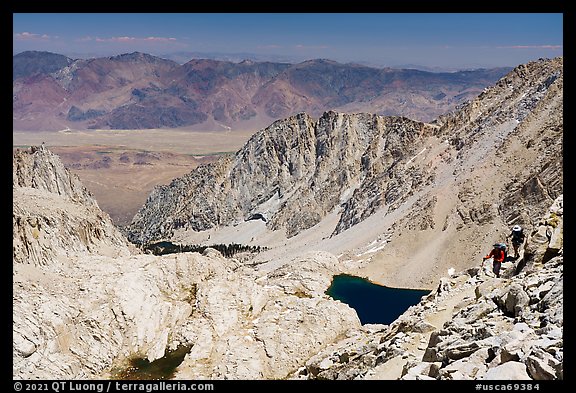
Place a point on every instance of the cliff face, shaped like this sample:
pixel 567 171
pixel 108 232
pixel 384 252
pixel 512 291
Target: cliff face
pixel 40 169
pixel 53 214
pixel 293 173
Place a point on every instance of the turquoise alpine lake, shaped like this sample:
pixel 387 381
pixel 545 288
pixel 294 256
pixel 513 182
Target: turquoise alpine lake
pixel 373 303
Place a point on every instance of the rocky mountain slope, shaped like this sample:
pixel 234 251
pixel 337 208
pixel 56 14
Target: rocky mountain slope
pixel 87 313
pixel 292 174
pixel 85 302
pixel 53 213
pixel 140 91
pixel 473 326
pixel 431 195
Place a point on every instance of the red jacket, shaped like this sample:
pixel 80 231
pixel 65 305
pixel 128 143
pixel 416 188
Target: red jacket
pixel 497 253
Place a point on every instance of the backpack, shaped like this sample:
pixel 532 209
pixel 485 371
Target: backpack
pixel 503 247
pixel 518 236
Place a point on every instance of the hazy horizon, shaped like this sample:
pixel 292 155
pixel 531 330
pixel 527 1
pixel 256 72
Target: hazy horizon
pixel 426 41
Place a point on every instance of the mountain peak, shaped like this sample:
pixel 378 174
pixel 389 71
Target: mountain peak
pixel 30 63
pixel 320 62
pixel 140 57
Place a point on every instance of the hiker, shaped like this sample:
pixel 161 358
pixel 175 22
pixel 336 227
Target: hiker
pixel 517 235
pixel 497 254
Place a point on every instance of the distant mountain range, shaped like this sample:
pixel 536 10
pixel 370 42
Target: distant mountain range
pixel 141 91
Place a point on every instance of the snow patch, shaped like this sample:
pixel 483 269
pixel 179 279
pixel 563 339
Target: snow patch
pixel 410 160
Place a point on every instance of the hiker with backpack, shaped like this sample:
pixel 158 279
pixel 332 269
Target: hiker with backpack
pixel 498 255
pixel 518 237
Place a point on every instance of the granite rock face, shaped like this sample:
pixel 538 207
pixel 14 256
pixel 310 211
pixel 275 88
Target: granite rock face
pixel 90 318
pixel 474 326
pixel 53 214
pixel 294 173
pixel 299 170
pixel 85 301
pixel 521 120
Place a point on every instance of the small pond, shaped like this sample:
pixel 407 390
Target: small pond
pixel 159 369
pixel 373 303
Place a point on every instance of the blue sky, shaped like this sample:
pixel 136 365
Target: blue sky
pixel 444 40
